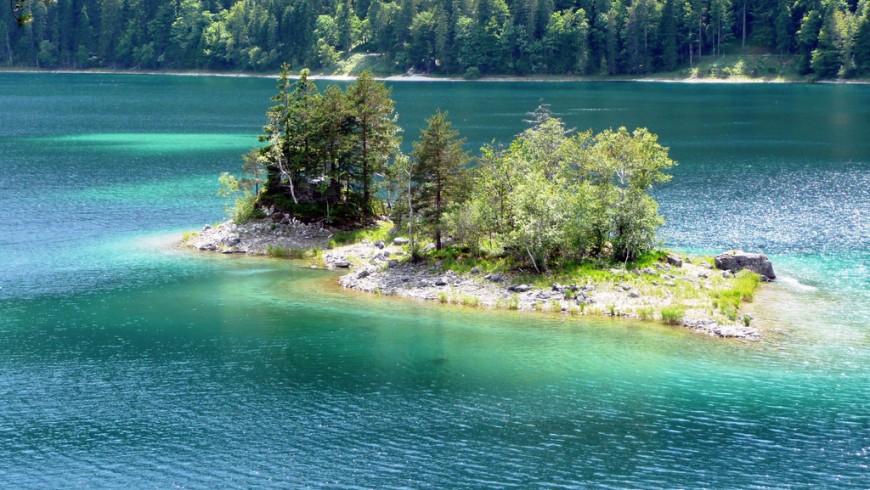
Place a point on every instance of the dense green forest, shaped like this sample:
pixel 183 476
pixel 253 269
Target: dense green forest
pixel 828 38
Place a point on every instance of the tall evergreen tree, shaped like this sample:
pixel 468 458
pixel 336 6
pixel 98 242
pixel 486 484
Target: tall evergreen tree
pixel 375 133
pixel 439 174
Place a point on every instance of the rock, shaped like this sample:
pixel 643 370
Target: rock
pixel 312 266
pixel 363 274
pixel 670 283
pixel 234 240
pixel 738 260
pixel 392 263
pixel 727 275
pixel 702 275
pixel 440 281
pixel 675 261
pixel 379 244
pixel 429 248
pixel 519 288
pixel 633 294
pixel 496 277
pixel 341 264
pixel 475 270
pixel 206 227
pixel 438 265
pixel 400 241
pixel 648 271
pixel 558 287
pixel 706 265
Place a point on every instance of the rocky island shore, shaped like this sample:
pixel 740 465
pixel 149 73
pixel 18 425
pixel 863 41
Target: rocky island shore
pixel 679 290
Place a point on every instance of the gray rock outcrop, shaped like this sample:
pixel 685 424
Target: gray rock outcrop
pixel 738 260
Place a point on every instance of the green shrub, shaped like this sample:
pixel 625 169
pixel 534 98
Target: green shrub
pixel 472 73
pixel 442 298
pixel 673 315
pixel 189 235
pixel 514 303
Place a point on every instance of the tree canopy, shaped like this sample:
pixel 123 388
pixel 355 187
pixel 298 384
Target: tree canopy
pixel 830 38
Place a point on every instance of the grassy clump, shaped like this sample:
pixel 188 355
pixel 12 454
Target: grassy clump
pixel 742 289
pixel 673 315
pixel 645 313
pixel 189 235
pixel 285 253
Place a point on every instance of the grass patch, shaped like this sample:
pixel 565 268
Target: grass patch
pixel 514 303
pixel 442 298
pixel 469 300
pixel 673 315
pixel 645 313
pixel 285 253
pixel 189 235
pixel 381 231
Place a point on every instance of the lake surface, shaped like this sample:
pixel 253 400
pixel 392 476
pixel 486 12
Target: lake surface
pixel 124 362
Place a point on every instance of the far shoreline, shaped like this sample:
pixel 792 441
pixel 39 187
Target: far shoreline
pixel 447 79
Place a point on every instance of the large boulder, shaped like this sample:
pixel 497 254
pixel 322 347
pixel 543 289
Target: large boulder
pixel 738 260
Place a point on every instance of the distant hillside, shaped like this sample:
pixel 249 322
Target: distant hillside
pixel 471 38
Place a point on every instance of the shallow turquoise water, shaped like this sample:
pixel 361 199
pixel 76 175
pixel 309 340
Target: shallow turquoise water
pixel 124 362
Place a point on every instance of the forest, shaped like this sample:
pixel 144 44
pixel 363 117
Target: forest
pixel 825 38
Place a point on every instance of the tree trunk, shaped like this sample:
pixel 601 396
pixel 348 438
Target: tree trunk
pixel 438 212
pixel 744 25
pixel 365 169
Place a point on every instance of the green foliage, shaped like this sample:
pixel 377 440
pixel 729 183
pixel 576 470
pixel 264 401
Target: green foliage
pixel 558 195
pixel 673 315
pixel 447 37
pixel 240 204
pixel 323 150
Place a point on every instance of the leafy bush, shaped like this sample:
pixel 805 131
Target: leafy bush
pixel 472 73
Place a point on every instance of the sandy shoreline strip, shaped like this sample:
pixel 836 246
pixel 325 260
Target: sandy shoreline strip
pixel 427 78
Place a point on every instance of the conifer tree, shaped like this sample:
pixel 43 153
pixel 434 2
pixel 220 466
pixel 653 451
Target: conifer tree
pixel 439 174
pixel 375 140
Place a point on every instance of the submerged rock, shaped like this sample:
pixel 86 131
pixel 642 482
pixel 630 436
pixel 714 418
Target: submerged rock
pixel 738 260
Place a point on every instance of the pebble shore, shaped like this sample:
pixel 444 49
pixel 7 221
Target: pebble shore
pixel 385 268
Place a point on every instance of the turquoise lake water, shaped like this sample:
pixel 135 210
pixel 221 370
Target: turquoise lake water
pixel 125 362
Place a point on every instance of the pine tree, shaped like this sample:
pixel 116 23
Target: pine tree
pixel 439 175
pixel 375 139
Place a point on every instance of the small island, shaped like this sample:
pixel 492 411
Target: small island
pixel 558 220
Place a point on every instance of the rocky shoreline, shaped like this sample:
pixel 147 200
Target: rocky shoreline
pixel 384 268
